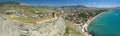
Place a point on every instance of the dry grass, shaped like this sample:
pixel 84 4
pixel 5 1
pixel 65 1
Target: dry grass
pixel 27 20
pixel 73 30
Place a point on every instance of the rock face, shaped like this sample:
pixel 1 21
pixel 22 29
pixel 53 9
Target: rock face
pixel 55 27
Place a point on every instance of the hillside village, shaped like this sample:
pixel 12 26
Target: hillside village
pixel 73 13
pixel 79 14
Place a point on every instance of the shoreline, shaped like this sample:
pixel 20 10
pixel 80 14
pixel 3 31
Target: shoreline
pixel 92 19
pixel 88 23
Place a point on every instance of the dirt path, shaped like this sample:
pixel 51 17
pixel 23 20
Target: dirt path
pixel 37 22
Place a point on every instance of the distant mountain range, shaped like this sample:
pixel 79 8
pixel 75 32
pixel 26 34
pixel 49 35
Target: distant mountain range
pixel 81 6
pixel 74 6
pixel 10 2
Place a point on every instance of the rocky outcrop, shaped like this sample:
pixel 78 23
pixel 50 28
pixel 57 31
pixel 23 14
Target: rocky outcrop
pixel 54 27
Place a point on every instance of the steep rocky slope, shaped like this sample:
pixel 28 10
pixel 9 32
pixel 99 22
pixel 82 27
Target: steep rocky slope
pixel 53 27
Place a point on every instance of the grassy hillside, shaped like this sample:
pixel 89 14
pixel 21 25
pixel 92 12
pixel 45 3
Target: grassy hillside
pixel 25 13
pixel 73 30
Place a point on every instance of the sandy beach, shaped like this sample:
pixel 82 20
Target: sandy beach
pixel 88 23
pixel 91 20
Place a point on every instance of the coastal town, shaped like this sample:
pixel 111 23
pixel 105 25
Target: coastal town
pixel 82 16
pixel 78 15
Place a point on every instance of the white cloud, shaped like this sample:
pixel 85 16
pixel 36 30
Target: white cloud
pixel 92 2
pixel 74 4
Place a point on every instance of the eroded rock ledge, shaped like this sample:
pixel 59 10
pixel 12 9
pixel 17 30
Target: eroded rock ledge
pixel 55 27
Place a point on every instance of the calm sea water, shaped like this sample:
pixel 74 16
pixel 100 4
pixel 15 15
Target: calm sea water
pixel 107 24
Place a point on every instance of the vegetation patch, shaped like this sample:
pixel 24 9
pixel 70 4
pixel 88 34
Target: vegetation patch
pixel 73 30
pixel 24 19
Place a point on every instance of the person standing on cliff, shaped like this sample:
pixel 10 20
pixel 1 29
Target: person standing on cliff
pixel 53 14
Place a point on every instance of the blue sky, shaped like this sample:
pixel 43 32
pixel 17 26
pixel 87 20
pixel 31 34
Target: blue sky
pixel 93 3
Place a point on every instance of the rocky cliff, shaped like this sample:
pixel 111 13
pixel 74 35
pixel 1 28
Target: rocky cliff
pixel 53 27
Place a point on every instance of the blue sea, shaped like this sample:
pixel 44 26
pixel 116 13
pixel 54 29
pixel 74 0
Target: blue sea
pixel 107 24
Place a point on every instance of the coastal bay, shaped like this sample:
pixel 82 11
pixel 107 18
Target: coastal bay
pixel 85 26
pixel 106 24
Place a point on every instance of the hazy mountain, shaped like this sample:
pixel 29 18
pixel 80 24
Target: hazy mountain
pixel 80 6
